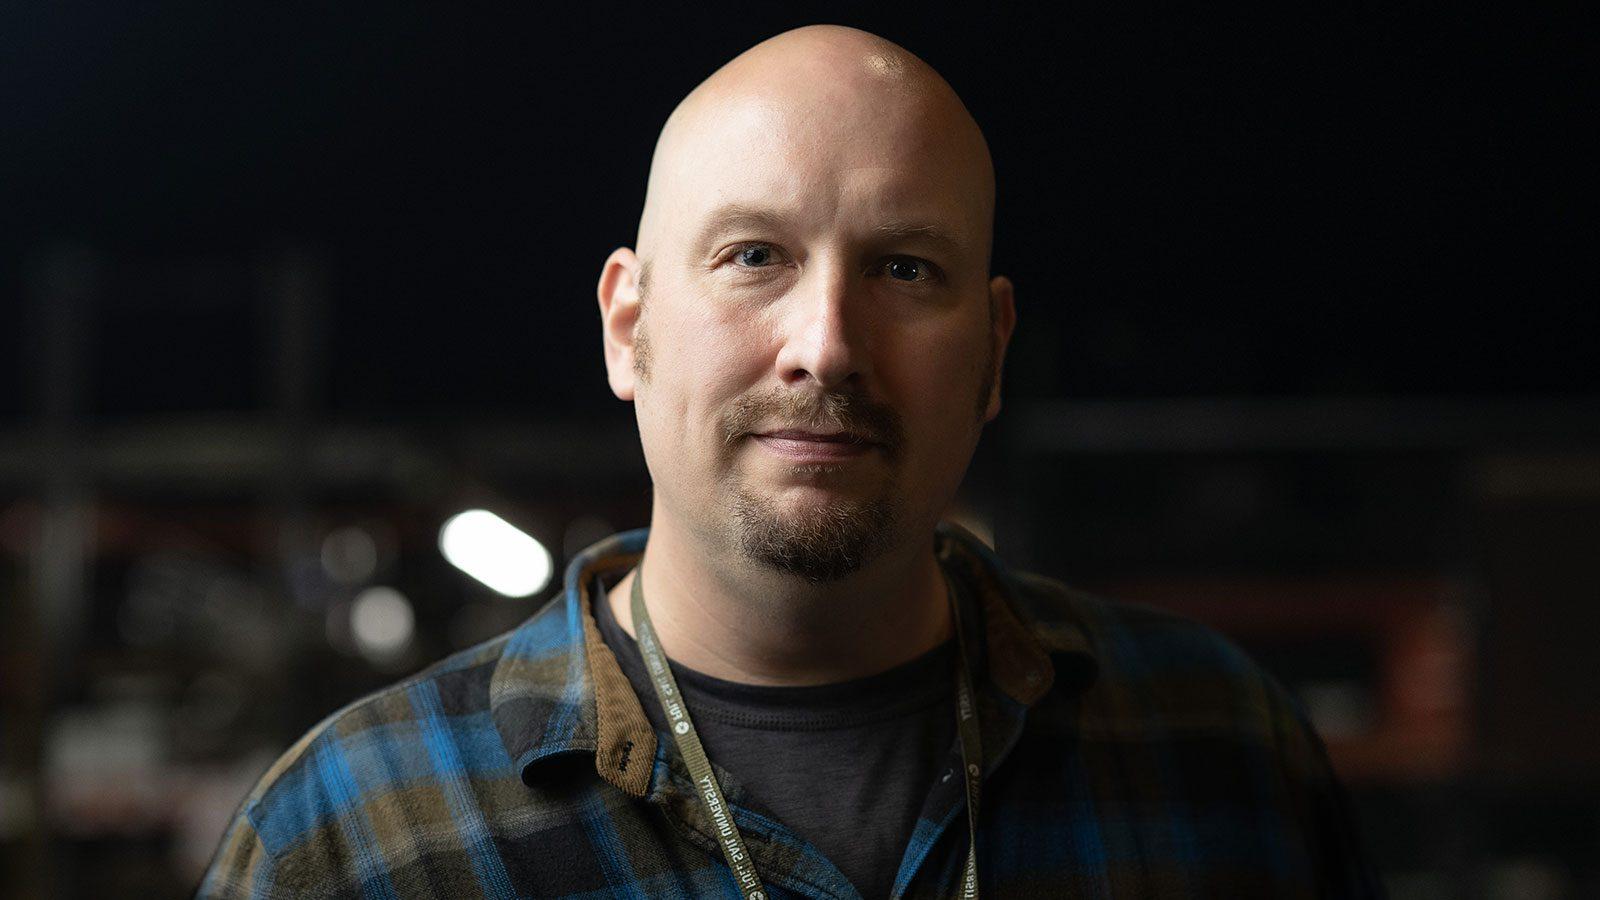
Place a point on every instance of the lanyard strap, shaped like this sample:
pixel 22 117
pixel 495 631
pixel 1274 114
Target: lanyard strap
pixel 710 793
pixel 971 745
pixel 694 755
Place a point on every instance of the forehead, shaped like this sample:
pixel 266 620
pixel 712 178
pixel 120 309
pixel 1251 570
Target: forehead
pixel 830 159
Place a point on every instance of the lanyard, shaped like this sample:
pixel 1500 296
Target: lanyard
pixel 710 793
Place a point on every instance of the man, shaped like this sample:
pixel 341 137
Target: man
pixel 859 701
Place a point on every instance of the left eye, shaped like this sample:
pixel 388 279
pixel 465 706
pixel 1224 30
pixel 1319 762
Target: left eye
pixel 906 269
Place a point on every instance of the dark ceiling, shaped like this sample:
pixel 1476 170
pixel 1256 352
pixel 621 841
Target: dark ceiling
pixel 1193 201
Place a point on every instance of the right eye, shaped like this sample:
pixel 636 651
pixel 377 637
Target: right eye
pixel 753 256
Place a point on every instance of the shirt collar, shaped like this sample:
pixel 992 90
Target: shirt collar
pixel 558 689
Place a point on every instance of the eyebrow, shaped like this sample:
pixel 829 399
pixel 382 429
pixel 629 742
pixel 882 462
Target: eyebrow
pixel 735 217
pixel 930 233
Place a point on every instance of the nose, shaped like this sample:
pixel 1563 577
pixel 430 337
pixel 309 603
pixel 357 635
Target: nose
pixel 824 332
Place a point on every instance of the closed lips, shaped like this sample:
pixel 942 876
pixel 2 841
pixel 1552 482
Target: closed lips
pixel 838 437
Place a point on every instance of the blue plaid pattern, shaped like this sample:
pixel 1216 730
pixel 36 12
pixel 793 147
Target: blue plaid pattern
pixel 1127 753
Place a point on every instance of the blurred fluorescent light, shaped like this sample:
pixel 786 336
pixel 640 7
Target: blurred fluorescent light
pixel 381 621
pixel 492 550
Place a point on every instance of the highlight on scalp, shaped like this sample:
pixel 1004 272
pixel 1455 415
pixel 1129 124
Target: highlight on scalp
pixel 808 61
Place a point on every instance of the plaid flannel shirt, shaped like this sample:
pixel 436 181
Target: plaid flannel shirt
pixel 1127 753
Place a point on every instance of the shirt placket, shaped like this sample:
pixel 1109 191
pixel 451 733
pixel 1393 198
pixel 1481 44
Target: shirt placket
pixel 1002 721
pixel 783 859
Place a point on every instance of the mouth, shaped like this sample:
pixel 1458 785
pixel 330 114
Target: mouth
pixel 814 446
pixel 819 437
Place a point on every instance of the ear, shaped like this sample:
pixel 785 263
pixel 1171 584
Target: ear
pixel 619 315
pixel 1001 295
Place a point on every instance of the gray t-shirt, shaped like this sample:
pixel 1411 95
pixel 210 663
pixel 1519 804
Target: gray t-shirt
pixel 846 766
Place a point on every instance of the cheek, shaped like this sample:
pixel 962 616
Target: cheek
pixel 702 362
pixel 732 344
pixel 942 364
pixel 936 384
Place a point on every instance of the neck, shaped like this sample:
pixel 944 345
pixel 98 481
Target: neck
pixel 748 624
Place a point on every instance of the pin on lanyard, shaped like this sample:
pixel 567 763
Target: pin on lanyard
pixel 710 793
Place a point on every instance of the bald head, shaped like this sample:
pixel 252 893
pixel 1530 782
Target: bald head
pixel 799 116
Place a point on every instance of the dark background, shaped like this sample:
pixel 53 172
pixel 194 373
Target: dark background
pixel 1306 315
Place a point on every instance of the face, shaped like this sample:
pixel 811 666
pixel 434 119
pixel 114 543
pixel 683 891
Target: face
pixel 817 342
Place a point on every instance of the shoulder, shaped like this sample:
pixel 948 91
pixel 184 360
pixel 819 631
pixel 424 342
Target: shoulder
pixel 392 787
pixel 1156 665
pixel 1178 717
pixel 1120 633
pixel 382 747
pixel 1127 663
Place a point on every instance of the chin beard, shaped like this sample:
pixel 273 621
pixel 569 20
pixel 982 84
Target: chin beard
pixel 820 544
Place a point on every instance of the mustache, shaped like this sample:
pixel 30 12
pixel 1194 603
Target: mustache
pixel 827 412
